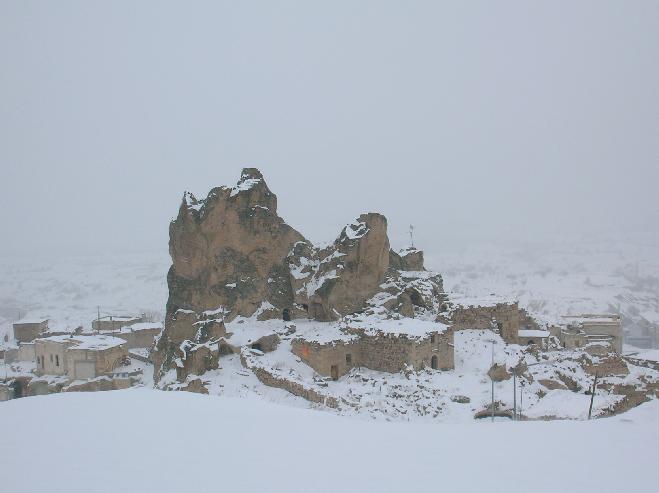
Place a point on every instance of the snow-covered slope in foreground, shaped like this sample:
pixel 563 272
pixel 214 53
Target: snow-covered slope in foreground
pixel 144 440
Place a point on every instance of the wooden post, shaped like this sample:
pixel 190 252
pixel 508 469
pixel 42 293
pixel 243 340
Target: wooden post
pixel 592 397
pixel 514 394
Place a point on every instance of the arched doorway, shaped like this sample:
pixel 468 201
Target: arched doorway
pixel 433 362
pixel 286 315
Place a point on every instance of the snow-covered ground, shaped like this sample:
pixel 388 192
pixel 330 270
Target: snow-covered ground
pixel 144 440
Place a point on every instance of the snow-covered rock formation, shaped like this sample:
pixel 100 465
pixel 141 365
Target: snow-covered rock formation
pixel 233 256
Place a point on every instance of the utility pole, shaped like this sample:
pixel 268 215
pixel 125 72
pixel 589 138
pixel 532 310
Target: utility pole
pixel 592 396
pixel 492 379
pixel 412 235
pixel 514 394
pixel 521 397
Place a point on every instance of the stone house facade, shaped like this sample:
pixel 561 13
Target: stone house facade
pixel 378 351
pixel 28 330
pixel 580 330
pixel 79 357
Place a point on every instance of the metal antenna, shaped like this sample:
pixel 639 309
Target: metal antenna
pixel 412 235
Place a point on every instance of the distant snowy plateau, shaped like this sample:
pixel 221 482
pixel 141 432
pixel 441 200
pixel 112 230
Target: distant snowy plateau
pixel 258 438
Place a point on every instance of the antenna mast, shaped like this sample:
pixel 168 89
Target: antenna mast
pixel 412 235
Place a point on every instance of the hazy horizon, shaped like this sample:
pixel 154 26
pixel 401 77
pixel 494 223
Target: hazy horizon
pixel 475 122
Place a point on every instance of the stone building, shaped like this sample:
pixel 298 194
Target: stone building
pixel 580 330
pixel 380 348
pixel 502 316
pixel 138 335
pixel 27 330
pixel 79 357
pixel 112 324
pixel 536 337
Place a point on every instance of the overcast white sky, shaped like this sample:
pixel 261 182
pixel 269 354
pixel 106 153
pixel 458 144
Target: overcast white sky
pixel 473 120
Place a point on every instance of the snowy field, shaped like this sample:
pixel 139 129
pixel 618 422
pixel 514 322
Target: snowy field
pixel 146 441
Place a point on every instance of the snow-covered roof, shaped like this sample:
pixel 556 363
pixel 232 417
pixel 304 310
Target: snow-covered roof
pixel 404 326
pixel 118 319
pixel 26 321
pixel 91 342
pixel 141 326
pixel 479 301
pixel 651 316
pixel 592 319
pixel 532 333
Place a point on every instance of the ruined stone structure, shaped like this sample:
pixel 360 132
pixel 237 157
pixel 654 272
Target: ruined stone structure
pixel 379 351
pixel 504 317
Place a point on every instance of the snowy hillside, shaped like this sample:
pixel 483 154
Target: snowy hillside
pixel 142 443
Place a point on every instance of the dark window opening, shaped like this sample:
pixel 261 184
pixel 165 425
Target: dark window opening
pixel 334 372
pixel 305 307
pixel 56 360
pixel 257 346
pixel 348 359
pixel 18 388
pixel 433 362
pixel 416 299
pixel 286 315
pixel 433 339
pixel 530 343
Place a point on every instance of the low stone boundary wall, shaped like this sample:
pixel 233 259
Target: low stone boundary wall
pixel 268 378
pixel 645 363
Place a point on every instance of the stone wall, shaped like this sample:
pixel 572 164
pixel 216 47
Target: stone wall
pixel 322 357
pixel 142 338
pixel 381 352
pixel 28 332
pixel 267 377
pixel 506 317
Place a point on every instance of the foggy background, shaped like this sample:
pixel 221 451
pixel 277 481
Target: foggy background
pixel 474 121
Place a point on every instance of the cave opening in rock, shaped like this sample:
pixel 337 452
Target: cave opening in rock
pixel 286 315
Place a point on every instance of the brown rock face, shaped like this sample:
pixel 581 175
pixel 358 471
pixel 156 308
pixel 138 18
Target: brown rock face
pixel 351 270
pixel 228 257
pixel 230 250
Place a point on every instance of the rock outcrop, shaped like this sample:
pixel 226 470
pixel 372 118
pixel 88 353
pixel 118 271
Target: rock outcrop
pixel 233 256
pixel 350 270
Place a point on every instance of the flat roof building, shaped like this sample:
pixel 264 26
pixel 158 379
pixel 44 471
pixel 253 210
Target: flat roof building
pixel 79 357
pixel 28 329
